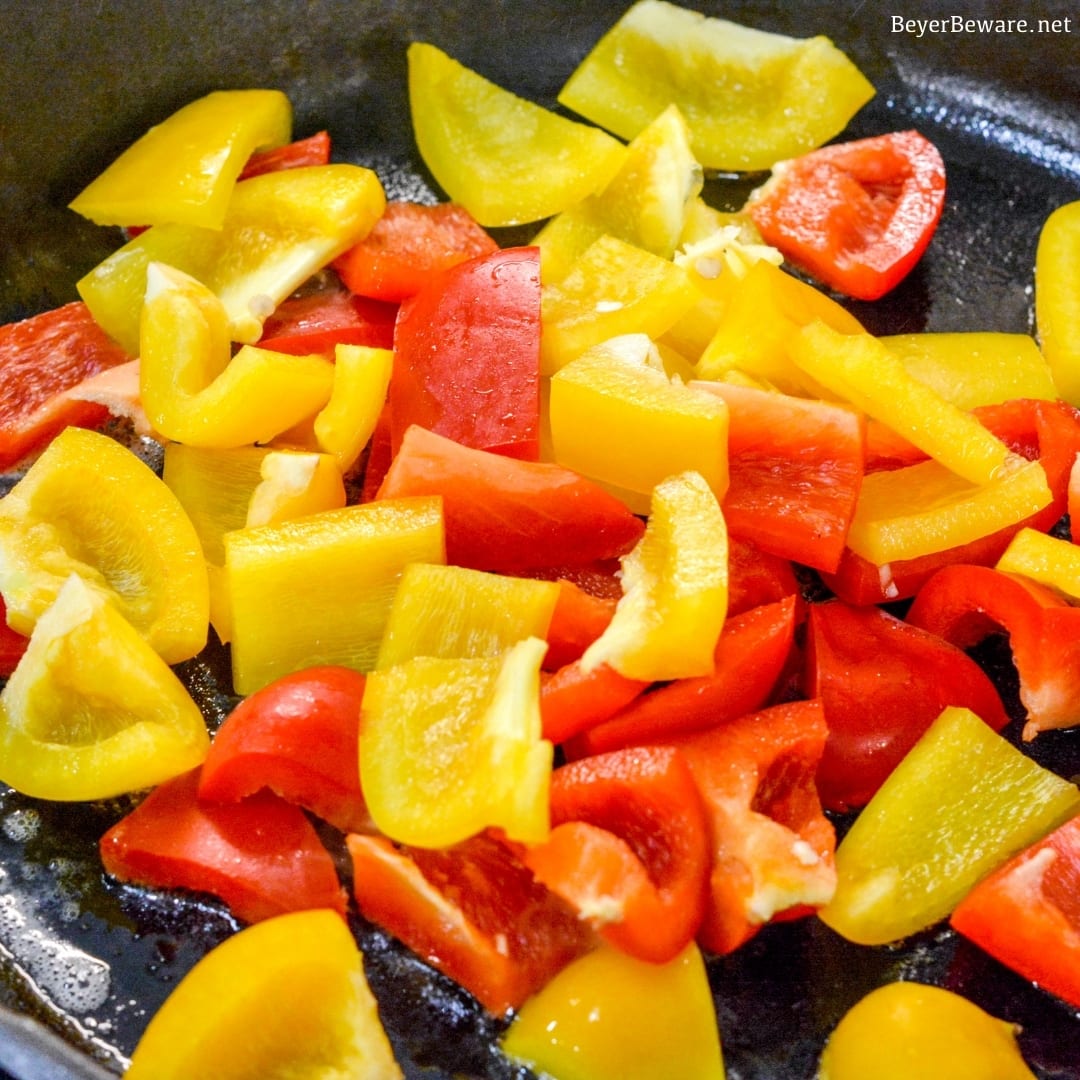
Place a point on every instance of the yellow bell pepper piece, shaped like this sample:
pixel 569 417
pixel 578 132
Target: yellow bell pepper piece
pixel 962 802
pixel 345 424
pixel 294 483
pixel 906 1029
pixel 91 711
pixel 617 417
pixel 1057 298
pixel 861 370
pixel 975 368
pixel 609 1016
pixel 280 228
pixel 183 169
pixel 1046 559
pixel 751 98
pixel 318 589
pixel 675 589
pixel 454 612
pixel 765 308
pixel 613 288
pixel 89 506
pixel 195 391
pixel 290 1001
pixel 508 161
pixel 923 508
pixel 450 747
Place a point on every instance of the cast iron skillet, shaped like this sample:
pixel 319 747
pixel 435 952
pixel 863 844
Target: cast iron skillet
pixel 91 960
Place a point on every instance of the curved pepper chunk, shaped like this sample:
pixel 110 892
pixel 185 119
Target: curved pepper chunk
pixel 472 911
pixel 608 1016
pixel 196 392
pixel 261 855
pixel 1057 310
pixel 1045 559
pixel 313 150
pixel 629 849
pixel 882 682
pixel 506 160
pixel 299 737
pixel 320 320
pixel 773 847
pixel 467 355
pixel 965 604
pixel 961 803
pixel 280 229
pixel 183 170
pixel 296 980
pixel 293 484
pixel 906 1029
pixel 451 747
pixel 1026 914
pixel 675 584
pixel 751 98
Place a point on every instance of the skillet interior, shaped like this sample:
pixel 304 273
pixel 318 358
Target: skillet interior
pixel 93 960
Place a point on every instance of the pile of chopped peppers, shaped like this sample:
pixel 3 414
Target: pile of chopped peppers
pixel 576 587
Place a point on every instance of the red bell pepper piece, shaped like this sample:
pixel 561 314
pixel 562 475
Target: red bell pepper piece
pixel 773 847
pixel 12 644
pixel 261 855
pixel 882 683
pixel 467 355
pixel 316 322
pixel 314 150
pixel 408 245
pixel 1045 430
pixel 473 911
pixel 1027 913
pixel 40 358
pixel 756 577
pixel 578 619
pixel 629 849
pixel 796 466
pixel 298 736
pixel 573 700
pixel 379 456
pixel 505 515
pixel 965 604
pixel 855 215
pixel 750 656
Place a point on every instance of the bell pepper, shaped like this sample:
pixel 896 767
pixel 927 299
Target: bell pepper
pixel 905 1029
pixel 472 911
pixel 965 604
pixel 756 577
pixel 751 98
pixel 764 308
pixel 294 483
pixel 883 682
pixel 577 620
pixel 449 748
pixel 856 215
pixel 89 506
pixel 319 320
pixel 507 515
pixel 317 590
pixel 608 1016
pixel 1026 916
pixel 183 169
pixel 261 855
pixel 453 612
pixel 675 584
pixel 280 228
pixel 751 652
pixel 613 288
pixel 312 150
pixel 467 355
pixel 1056 314
pixel 298 980
pixel 12 644
pixel 628 849
pixel 616 396
pixel 973 368
pixel 574 699
pixel 299 737
pixel 795 467
pixel 861 370
pixel 1049 560
pixel 344 426
pixel 91 711
pixel 508 161
pixel 40 358
pixel 961 803
pixel 408 245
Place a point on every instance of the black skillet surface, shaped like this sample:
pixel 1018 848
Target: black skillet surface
pixel 92 960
